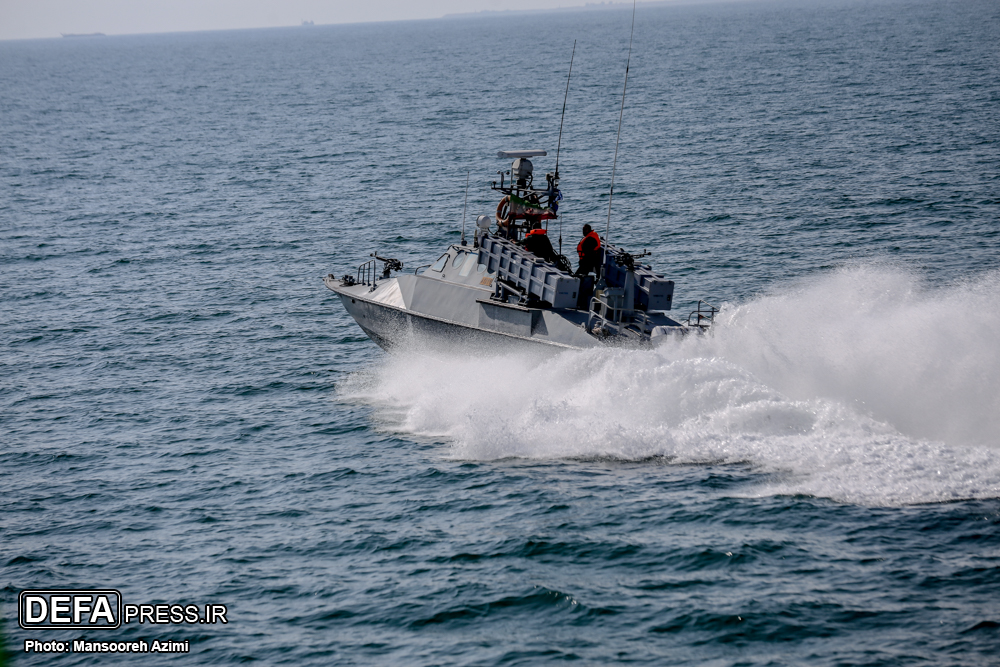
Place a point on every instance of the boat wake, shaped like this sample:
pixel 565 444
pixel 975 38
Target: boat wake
pixel 864 385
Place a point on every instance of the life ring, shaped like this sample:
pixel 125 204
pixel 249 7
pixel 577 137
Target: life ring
pixel 503 211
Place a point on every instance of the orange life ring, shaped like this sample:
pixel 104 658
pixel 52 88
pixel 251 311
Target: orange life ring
pixel 503 211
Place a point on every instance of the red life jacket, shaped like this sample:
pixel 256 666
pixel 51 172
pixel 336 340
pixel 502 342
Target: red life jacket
pixel 534 232
pixel 593 235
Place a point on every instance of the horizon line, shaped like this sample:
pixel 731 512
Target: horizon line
pixel 483 13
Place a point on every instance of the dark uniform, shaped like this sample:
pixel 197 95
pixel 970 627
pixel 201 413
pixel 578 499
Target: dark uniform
pixel 537 243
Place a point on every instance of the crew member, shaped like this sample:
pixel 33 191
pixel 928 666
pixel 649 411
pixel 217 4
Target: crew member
pixel 537 243
pixel 589 250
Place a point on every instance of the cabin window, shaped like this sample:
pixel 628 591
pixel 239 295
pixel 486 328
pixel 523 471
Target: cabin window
pixel 470 262
pixel 439 265
pixel 457 262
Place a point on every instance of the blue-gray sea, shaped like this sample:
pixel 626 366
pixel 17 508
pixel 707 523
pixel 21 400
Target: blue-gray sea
pixel 188 415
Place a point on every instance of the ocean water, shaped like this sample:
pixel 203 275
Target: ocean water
pixel 189 416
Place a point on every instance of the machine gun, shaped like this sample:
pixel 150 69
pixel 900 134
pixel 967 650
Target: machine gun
pixel 626 260
pixel 389 264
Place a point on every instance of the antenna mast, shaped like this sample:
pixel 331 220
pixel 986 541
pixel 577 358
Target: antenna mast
pixel 565 97
pixel 561 119
pixel 621 113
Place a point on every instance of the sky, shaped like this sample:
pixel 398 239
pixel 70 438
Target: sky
pixel 27 19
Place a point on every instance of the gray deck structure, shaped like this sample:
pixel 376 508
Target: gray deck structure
pixel 500 293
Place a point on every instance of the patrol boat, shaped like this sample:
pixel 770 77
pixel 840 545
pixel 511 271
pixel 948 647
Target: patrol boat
pixel 494 291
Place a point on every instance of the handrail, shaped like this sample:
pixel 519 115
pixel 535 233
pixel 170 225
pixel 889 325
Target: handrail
pixel 425 266
pixel 620 322
pixel 707 314
pixel 502 287
pixel 609 326
pixel 368 271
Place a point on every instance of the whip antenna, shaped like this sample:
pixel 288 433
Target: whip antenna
pixel 620 114
pixel 565 97
pixel 561 119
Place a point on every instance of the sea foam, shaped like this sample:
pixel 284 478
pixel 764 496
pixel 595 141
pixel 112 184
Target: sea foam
pixel 863 385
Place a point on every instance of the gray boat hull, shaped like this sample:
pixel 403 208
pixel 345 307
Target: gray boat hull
pixel 391 327
pixel 498 295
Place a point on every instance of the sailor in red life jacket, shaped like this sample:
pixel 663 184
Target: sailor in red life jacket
pixel 589 250
pixel 537 243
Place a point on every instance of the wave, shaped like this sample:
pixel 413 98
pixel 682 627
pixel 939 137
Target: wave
pixel 863 385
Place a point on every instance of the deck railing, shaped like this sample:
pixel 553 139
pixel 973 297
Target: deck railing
pixel 366 273
pixel 703 316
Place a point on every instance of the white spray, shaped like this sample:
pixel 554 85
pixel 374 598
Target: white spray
pixel 864 385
